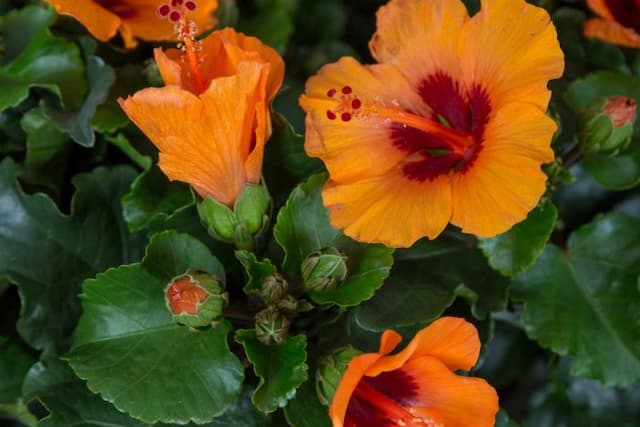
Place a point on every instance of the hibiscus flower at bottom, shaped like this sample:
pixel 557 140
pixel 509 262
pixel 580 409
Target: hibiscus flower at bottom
pixel 417 386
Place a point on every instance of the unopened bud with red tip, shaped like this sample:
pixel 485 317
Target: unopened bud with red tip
pixel 274 288
pixel 195 299
pixel 330 371
pixel 324 270
pixel 606 126
pixel 272 327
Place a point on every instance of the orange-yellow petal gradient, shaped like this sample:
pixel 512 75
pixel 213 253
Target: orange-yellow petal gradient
pixel 512 48
pixel 452 400
pixel 389 208
pixel 419 37
pixel 506 181
pixel 205 140
pixel 612 32
pixel 100 22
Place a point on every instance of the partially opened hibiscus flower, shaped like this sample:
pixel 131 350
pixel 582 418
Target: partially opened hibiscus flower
pixel 136 18
pixel 618 22
pixel 211 120
pixel 417 387
pixel 450 126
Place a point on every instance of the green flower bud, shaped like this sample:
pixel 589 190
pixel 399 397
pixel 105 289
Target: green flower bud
pixel 606 127
pixel 324 270
pixel 195 299
pixel 271 326
pixel 252 207
pixel 274 288
pixel 330 371
pixel 288 304
pixel 218 218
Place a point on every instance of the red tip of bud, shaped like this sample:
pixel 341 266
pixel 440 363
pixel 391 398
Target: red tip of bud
pixel 621 109
pixel 184 295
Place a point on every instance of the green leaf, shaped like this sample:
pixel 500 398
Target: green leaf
pixel 121 141
pixel 153 199
pixel 48 254
pixel 77 124
pixel 68 400
pixel 257 271
pixel 44 141
pixel 593 287
pixel 280 367
pixel 503 420
pixel 130 351
pixel 19 412
pixel 305 410
pixel 425 281
pixel 273 24
pixel 623 171
pixel 515 250
pixel 37 59
pixel 241 414
pixel 14 364
pixel 303 227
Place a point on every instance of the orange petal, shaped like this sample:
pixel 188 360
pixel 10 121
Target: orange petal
pixel 452 400
pixel 389 341
pixel 600 7
pixel 451 340
pixel 612 32
pixel 355 148
pixel 419 37
pixel 512 49
pixel 355 371
pixel 505 182
pixel 100 22
pixel 390 208
pixel 201 140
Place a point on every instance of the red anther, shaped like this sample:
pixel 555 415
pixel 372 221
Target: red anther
pixel 163 10
pixel 176 3
pixel 175 16
pixel 356 103
pixel 190 5
pixel 331 92
pixel 331 115
pixel 347 90
pixel 345 117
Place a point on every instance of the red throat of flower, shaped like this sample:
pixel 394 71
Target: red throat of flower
pixel 176 12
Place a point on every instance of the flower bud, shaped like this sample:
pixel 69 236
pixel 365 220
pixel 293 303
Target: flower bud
pixel 252 207
pixel 218 218
pixel 288 304
pixel 324 270
pixel 606 127
pixel 330 371
pixel 271 326
pixel 274 288
pixel 195 299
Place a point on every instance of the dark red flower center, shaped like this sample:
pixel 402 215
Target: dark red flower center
pixel 122 8
pixel 462 109
pixel 625 12
pixel 383 401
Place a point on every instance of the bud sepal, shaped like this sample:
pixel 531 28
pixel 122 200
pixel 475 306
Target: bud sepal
pixel 606 127
pixel 272 327
pixel 330 370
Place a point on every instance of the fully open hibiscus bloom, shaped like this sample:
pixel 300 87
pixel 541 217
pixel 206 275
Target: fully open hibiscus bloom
pixel 135 18
pixel 619 22
pixel 417 386
pixel 211 120
pixel 450 126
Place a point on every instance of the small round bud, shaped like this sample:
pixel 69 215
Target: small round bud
pixel 330 371
pixel 274 288
pixel 288 304
pixel 195 299
pixel 252 207
pixel 324 270
pixel 606 126
pixel 271 326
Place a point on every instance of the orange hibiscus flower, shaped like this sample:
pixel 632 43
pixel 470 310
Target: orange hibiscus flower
pixel 211 120
pixel 417 386
pixel 450 126
pixel 136 18
pixel 619 22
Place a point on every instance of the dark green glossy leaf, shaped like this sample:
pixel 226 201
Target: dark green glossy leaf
pixel 152 199
pixel 44 141
pixel 426 279
pixel 585 302
pixel 241 414
pixel 305 410
pixel 256 270
pixel 503 420
pixel 126 332
pixel 123 143
pixel 14 364
pixel 77 124
pixel 515 250
pixel 623 171
pixel 303 227
pixel 37 59
pixel 19 412
pixel 48 254
pixel 273 24
pixel 280 367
